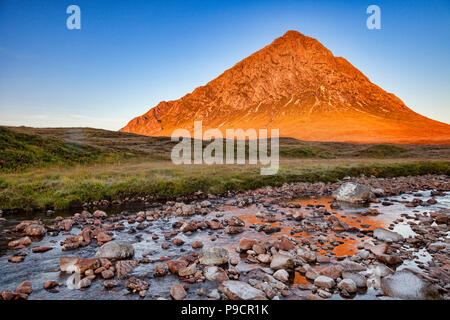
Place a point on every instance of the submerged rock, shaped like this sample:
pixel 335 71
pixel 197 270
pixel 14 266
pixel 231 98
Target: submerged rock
pixel 406 285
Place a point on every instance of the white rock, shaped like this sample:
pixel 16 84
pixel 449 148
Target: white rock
pixel 324 282
pixel 281 275
pixel 348 285
pixel 238 290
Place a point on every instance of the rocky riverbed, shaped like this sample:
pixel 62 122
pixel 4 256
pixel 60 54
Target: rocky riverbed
pixel 381 239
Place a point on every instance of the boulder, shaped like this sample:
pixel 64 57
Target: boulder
pixel 177 292
pixel 281 261
pixel 348 285
pixel 281 275
pixel 115 250
pixel 246 244
pixel 22 242
pixel 136 285
pixel 332 271
pixel 408 286
pixel 387 235
pixel 188 271
pixel 352 192
pixel 324 282
pixel 176 265
pixel 357 278
pixel 238 290
pixel 35 230
pixel 215 274
pixel 214 256
pixel 124 267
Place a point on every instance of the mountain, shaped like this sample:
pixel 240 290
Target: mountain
pixel 297 85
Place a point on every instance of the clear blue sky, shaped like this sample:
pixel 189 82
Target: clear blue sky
pixel 129 55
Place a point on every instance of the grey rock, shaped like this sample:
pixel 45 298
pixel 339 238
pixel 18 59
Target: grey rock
pixel 215 274
pixel 324 282
pixel 348 285
pixel 281 261
pixel 386 235
pixel 115 250
pixel 214 256
pixel 352 192
pixel 238 290
pixel 406 285
pixel 357 278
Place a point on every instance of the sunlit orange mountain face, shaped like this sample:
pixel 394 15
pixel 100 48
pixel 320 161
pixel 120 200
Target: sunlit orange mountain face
pixel 295 85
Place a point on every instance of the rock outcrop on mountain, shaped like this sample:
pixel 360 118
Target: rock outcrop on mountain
pixel 298 86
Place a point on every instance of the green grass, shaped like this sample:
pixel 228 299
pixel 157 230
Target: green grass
pixel 21 150
pixel 63 188
pixel 62 167
pixel 383 151
pixel 305 152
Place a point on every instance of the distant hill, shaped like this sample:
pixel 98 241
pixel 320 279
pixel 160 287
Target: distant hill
pixel 22 147
pixel 298 86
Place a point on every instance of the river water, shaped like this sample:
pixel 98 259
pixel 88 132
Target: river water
pixel 41 267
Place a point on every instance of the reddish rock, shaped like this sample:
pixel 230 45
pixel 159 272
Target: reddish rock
pixel 105 263
pixel 71 243
pixel 177 292
pixel 136 285
pixel 234 229
pixel 7 295
pixel 50 284
pixel 188 271
pixel 175 265
pixel 99 214
pixel 246 244
pixel 379 249
pixel 103 237
pixel 165 245
pixel 107 274
pixel 160 271
pixel 35 230
pixel 41 249
pixel 25 241
pixel 197 244
pixel 189 227
pixel 124 267
pixel 177 241
pixel 99 270
pixel 389 259
pixel 370 212
pixel 24 288
pixel 214 225
pixel 16 259
pixel 84 264
pixel 333 271
pixel 286 245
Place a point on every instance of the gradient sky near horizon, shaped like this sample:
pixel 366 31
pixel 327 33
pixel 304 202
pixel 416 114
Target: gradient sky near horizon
pixel 130 55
